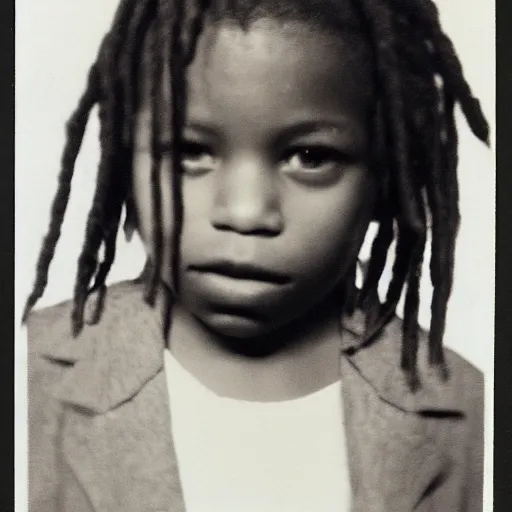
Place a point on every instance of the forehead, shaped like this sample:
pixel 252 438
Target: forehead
pixel 273 64
pixel 268 40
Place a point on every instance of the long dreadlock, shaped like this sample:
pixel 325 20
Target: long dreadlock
pixel 419 79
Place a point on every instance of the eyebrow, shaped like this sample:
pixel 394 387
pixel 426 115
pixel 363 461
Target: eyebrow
pixel 298 129
pixel 342 126
pixel 207 130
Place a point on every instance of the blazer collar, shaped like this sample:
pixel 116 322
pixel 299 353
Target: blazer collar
pixel 379 364
pixel 110 362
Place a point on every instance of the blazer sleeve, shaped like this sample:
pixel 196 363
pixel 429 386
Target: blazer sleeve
pixel 53 487
pixel 475 446
pixel 44 422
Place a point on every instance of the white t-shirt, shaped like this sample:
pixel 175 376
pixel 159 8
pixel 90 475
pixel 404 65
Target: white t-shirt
pixel 242 456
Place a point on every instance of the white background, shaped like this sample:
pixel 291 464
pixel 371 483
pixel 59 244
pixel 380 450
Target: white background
pixel 56 40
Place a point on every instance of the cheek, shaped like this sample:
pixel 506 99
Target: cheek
pixel 197 201
pixel 143 197
pixel 331 224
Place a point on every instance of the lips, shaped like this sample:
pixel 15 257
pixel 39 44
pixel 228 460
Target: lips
pixel 242 271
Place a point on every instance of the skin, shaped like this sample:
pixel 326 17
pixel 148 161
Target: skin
pixel 276 175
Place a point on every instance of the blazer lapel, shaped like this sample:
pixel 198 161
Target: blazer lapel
pixel 393 457
pixel 116 425
pixel 396 453
pixel 125 458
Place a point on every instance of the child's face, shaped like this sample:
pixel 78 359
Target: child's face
pixel 277 192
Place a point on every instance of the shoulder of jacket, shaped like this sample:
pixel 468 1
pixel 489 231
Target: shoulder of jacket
pixel 468 383
pixel 464 379
pixel 50 327
pixel 379 363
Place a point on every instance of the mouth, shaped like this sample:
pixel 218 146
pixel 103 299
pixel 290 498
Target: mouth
pixel 241 271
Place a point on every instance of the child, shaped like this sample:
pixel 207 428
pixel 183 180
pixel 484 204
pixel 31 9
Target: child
pixel 250 144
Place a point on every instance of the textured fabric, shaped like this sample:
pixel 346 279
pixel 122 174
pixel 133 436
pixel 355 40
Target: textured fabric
pixel 240 455
pixel 100 423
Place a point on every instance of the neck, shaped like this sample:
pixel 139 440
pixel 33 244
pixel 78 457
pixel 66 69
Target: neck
pixel 294 361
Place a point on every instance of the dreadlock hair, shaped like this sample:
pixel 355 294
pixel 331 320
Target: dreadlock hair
pixel 419 81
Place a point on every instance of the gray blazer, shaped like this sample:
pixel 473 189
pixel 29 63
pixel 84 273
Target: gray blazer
pixel 99 424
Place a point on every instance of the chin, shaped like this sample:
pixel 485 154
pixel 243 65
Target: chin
pixel 236 326
pixel 244 336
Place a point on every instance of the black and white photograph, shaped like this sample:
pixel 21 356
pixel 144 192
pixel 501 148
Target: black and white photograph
pixel 255 246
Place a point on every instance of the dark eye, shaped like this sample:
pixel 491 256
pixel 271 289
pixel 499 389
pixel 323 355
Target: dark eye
pixel 197 158
pixel 316 159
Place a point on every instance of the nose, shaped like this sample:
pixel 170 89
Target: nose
pixel 247 199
